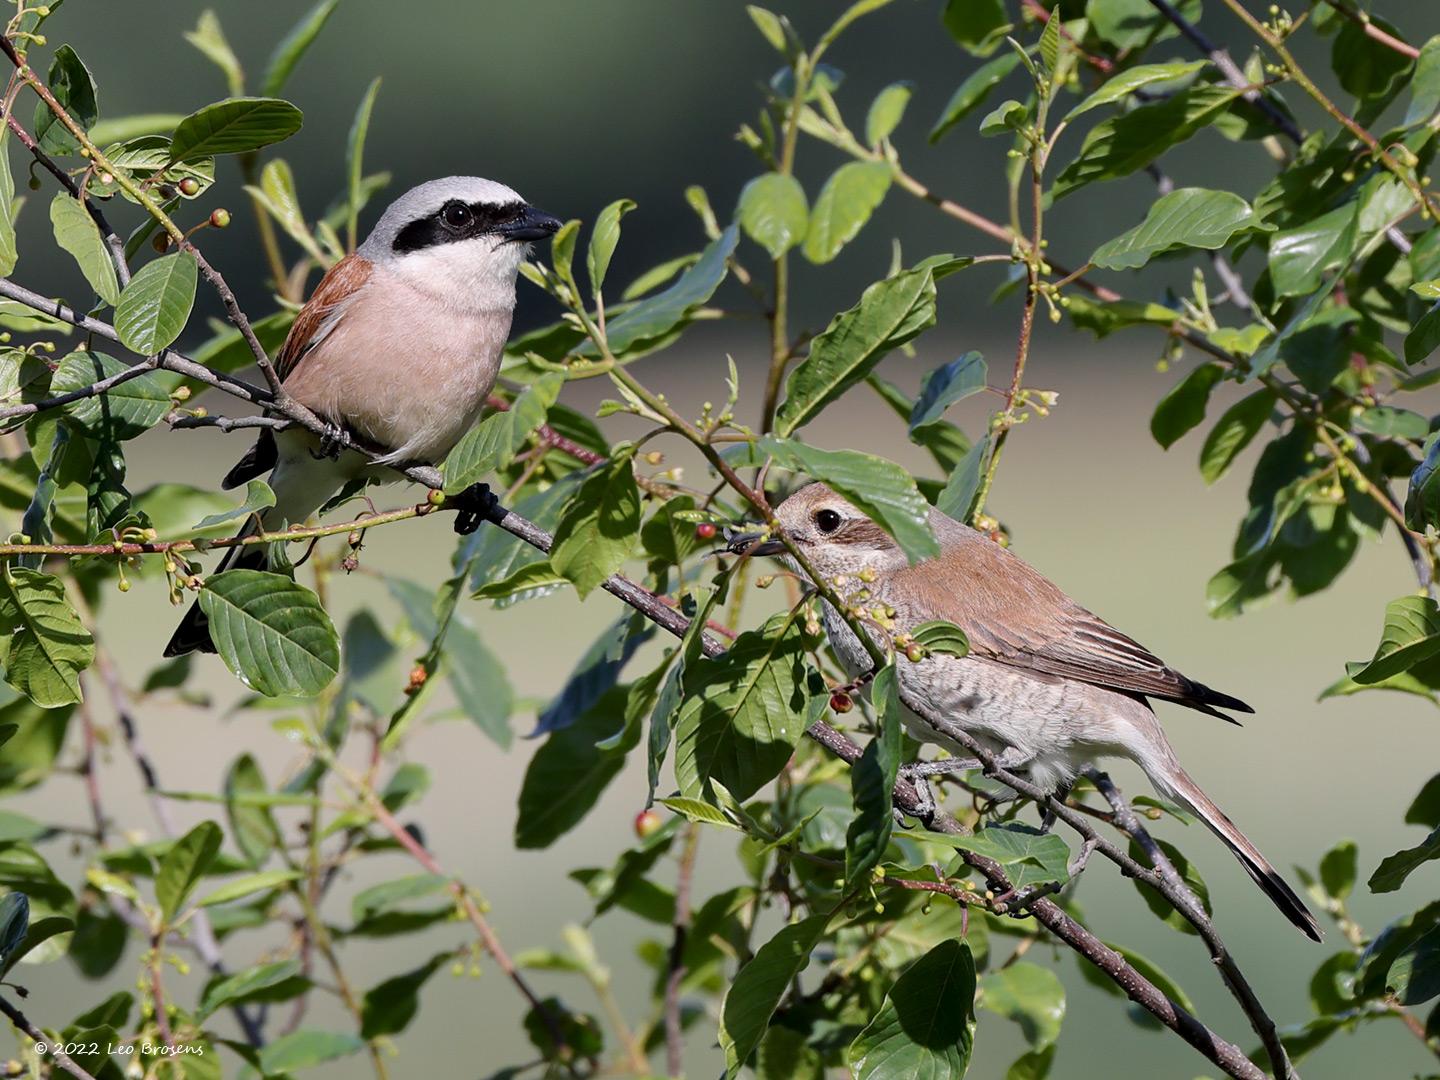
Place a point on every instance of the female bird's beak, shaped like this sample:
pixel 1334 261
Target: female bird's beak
pixel 753 544
pixel 531 225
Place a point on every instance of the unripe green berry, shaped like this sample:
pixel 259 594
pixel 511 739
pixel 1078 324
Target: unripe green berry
pixel 189 187
pixel 220 219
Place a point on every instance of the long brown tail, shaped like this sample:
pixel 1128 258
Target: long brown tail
pixel 1176 784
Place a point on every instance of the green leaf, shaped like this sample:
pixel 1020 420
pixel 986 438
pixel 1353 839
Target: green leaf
pixel 773 212
pixel 531 580
pixel 1158 905
pixel 843 206
pixel 264 881
pixel 769 25
pixel 1030 995
pixel 1338 869
pixel 1424 338
pixel 251 824
pixel 385 896
pixel 1414 977
pixel 9 253
pixel 258 497
pixel 957 499
pixel 1130 24
pixel 234 126
pixel 355 157
pixel 122 412
pixel 478 678
pixel 939 636
pixel 1394 869
pixel 271 632
pixel 293 46
pixel 493 443
pixel 1425 85
pixel 209 38
pixel 886 112
pixel 880 488
pixel 73 87
pixel 599 526
pixel 1007 116
pixel 890 313
pixel 1237 426
pixel 242 985
pixel 603 238
pixel 1300 256
pixel 1183 408
pixel 872 779
pixel 1029 856
pixel 305 1048
pixel 971 93
pixel 1123 144
pixel 759 986
pixel 183 866
pixel 1121 86
pixel 1392 423
pixel 1186 217
pixel 1367 68
pixel 946 385
pixel 657 315
pixel 1411 634
pixel 926 1026
pixel 743 712
pixel 14 923
pixel 389 1007
pixel 568 774
pixel 77 233
pixel 698 810
pixel 153 309
pixel 976 25
pixel 48 645
pixel 1105 317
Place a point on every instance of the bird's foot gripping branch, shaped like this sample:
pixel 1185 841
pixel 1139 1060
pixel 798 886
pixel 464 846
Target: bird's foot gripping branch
pixel 839 941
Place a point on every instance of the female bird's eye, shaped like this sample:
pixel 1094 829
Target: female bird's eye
pixel 827 520
pixel 456 215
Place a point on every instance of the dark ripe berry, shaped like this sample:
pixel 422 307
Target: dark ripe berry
pixel 220 219
pixel 160 242
pixel 841 702
pixel 705 531
pixel 647 822
pixel 189 187
pixel 34 183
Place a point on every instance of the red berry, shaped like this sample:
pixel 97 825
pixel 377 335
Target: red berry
pixel 705 531
pixel 189 187
pixel 220 219
pixel 841 702
pixel 647 822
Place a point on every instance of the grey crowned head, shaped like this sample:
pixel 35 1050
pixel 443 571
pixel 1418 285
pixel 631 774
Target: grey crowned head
pixel 452 211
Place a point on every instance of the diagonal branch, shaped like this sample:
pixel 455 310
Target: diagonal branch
pixel 64 1060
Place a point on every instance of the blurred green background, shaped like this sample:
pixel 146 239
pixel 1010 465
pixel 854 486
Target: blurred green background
pixel 578 104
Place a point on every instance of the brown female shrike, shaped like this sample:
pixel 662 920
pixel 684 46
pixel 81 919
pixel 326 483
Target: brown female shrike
pixel 398 347
pixel 1048 686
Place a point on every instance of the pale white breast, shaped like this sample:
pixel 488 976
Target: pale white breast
pixel 404 371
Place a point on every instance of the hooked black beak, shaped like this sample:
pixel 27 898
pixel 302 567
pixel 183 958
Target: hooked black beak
pixel 752 544
pixel 532 224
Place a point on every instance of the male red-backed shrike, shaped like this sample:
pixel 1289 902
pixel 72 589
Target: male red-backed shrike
pixel 398 347
pixel 1048 686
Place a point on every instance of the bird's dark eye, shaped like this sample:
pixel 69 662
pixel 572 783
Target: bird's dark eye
pixel 456 215
pixel 827 521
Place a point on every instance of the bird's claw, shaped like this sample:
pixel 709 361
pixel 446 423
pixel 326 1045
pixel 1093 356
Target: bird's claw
pixel 473 507
pixel 334 440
